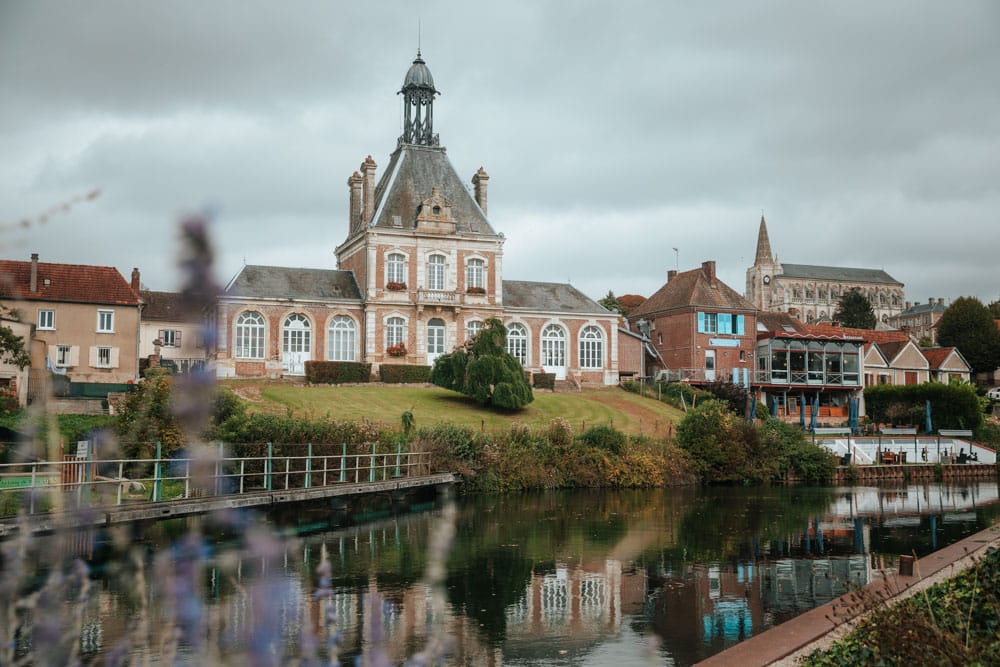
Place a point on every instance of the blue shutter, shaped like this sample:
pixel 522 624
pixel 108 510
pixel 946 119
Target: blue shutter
pixel 725 323
pixel 739 325
pixel 701 322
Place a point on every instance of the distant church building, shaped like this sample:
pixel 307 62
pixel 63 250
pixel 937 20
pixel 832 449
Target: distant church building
pixel 420 271
pixel 811 293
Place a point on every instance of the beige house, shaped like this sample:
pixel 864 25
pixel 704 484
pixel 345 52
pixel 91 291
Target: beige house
pixel 167 331
pixel 86 320
pixel 947 364
pixel 907 364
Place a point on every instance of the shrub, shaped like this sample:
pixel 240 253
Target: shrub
pixel 337 372
pixel 605 438
pixel 952 405
pixel 403 373
pixel 544 380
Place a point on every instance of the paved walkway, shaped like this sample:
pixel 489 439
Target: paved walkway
pixel 820 627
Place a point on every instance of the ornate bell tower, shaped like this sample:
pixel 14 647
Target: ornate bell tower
pixel 418 105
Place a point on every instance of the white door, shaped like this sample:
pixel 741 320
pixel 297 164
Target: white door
pixel 710 365
pixel 554 351
pixel 435 340
pixel 296 344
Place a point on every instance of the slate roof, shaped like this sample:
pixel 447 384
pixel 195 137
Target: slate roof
pixel 918 308
pixel 837 273
pixel 407 181
pixel 70 283
pixel 551 297
pixel 162 306
pixel 279 282
pixel 692 288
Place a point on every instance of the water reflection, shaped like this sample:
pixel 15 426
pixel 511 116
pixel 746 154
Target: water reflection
pixel 558 578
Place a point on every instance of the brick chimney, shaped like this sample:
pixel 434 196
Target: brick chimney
pixel 671 274
pixel 136 286
pixel 930 302
pixel 33 286
pixel 941 300
pixel 368 187
pixel 354 183
pixel 479 182
pixel 907 305
pixel 708 268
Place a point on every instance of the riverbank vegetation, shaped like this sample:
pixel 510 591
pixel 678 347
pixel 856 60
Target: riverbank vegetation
pixel 955 622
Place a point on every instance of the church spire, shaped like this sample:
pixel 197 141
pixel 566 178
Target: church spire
pixel 764 255
pixel 418 105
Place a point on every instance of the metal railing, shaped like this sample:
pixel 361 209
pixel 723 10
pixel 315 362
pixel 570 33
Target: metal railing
pixel 82 482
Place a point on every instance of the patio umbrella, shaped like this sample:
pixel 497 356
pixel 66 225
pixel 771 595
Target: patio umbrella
pixel 928 411
pixel 852 419
pixel 802 410
pixel 753 407
pixel 812 425
pixel 774 407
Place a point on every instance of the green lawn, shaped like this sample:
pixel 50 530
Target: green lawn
pixel 386 403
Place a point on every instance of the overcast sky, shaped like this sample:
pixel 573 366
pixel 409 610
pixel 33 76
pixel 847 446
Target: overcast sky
pixel 867 132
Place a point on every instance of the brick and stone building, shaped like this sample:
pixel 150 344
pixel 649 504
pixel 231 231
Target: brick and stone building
pixel 920 319
pixel 419 272
pixel 811 293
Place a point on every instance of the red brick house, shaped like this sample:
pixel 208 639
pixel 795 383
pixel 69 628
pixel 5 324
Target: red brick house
pixel 702 329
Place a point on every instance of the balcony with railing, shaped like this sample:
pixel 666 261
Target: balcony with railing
pixel 438 297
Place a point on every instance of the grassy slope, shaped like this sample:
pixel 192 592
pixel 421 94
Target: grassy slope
pixel 430 405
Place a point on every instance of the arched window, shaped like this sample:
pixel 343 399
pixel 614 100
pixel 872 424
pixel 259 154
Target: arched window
pixel 250 336
pixel 395 271
pixel 296 335
pixel 553 346
pixel 475 274
pixel 435 272
pixel 591 347
pixel 517 342
pixel 395 332
pixel 341 339
pixel 472 327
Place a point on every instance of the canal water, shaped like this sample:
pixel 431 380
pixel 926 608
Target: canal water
pixel 559 578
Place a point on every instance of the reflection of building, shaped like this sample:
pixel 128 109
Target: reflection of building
pixel 812 293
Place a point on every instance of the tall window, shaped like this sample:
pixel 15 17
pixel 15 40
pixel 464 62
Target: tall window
pixel 553 346
pixel 395 331
pixel 475 274
pixel 104 357
pixel 472 328
pixel 63 355
pixel 46 319
pixel 396 268
pixel 296 335
pixel 250 336
pixel 435 272
pixel 591 348
pixel 105 321
pixel 340 340
pixel 517 342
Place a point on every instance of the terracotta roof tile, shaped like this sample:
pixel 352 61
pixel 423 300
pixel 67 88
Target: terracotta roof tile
pixel 74 283
pixel 868 335
pixel 936 355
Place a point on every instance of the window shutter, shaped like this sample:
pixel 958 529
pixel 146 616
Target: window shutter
pixel 177 338
pixel 701 322
pixel 739 325
pixel 725 323
pixel 114 357
pixel 93 356
pixel 161 334
pixel 74 355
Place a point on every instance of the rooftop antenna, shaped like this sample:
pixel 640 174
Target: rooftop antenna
pixel 418 37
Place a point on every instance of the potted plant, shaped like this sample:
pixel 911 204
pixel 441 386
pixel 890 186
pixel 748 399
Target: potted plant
pixel 475 290
pixel 395 286
pixel 397 350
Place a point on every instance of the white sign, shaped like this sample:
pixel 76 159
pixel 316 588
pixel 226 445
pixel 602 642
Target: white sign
pixel 82 448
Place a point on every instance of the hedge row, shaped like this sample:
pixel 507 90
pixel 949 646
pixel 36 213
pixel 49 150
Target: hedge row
pixel 544 380
pixel 952 405
pixel 337 372
pixel 404 373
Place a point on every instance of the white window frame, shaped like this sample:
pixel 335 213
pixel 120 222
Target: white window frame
pixel 473 327
pixel 517 342
pixel 169 337
pixel 591 347
pixel 103 357
pixel 249 336
pixel 47 319
pixel 341 339
pixel 395 331
pixel 437 272
pixel 553 346
pixel 296 334
pixel 475 273
pixel 105 321
pixel 64 356
pixel 395 268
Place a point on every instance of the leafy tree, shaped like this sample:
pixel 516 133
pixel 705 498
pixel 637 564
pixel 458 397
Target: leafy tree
pixel 855 311
pixel 629 302
pixel 12 348
pixel 485 371
pixel 611 303
pixel 970 326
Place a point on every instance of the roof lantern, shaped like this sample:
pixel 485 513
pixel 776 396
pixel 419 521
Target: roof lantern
pixel 418 93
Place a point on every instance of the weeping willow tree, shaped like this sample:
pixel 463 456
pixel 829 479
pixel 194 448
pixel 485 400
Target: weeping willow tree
pixel 485 371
